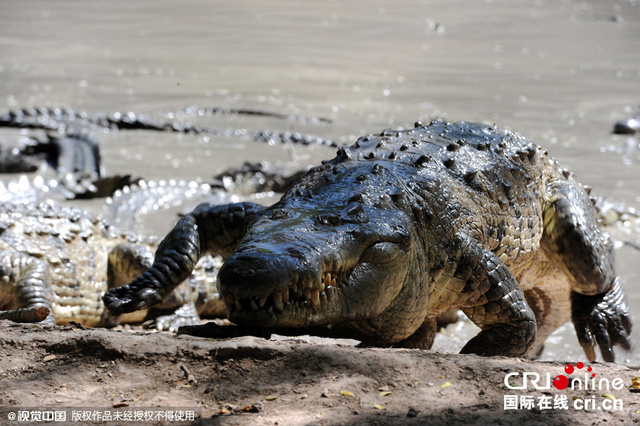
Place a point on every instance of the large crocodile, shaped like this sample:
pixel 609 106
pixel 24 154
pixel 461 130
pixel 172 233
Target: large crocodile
pixel 398 228
pixel 64 259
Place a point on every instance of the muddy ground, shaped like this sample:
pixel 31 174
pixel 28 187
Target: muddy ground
pixel 285 382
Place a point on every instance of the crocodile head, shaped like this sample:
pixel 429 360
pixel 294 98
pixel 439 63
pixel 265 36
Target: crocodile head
pixel 337 248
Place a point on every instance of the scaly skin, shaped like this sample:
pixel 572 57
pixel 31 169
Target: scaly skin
pixel 63 260
pixel 400 227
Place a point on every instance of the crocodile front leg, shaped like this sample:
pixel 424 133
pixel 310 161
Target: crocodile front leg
pixel 497 306
pixel 212 229
pixel 126 261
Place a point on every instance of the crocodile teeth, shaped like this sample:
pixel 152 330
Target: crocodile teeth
pixel 307 294
pixel 315 298
pixel 285 296
pixel 238 305
pixel 327 280
pixel 254 305
pixel 294 287
pixel 263 300
pixel 277 301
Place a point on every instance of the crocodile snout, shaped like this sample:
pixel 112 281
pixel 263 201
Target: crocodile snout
pixel 252 275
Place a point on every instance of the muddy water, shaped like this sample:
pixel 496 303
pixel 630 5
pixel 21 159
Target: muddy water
pixel 560 72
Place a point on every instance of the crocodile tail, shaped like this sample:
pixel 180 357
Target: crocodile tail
pixel 28 279
pixel 207 229
pixel 30 314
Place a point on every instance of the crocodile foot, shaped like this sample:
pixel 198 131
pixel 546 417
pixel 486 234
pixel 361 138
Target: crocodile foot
pixel 126 299
pixel 601 319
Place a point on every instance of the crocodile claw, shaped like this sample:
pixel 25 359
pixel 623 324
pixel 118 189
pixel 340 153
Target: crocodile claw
pixel 125 299
pixel 601 319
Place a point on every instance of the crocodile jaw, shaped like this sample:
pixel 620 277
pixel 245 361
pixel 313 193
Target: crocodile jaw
pixel 336 297
pixel 297 273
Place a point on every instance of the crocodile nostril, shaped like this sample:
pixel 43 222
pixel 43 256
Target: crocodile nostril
pixel 253 275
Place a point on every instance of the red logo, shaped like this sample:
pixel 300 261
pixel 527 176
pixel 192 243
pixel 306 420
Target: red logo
pixel 562 382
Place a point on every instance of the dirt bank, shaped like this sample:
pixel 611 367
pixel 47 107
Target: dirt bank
pixel 255 381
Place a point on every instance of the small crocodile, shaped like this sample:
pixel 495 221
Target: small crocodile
pixel 395 230
pixel 63 259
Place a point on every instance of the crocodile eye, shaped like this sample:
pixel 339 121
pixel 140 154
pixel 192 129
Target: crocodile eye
pixel 381 252
pixel 328 219
pixel 277 214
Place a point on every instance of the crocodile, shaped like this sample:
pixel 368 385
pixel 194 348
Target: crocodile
pixel 395 230
pixel 66 121
pixel 75 158
pixel 62 260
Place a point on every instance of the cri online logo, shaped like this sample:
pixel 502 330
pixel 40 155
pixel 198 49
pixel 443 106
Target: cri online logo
pixel 562 382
